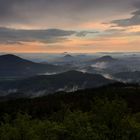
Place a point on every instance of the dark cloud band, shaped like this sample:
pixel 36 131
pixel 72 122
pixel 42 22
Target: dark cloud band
pixel 11 36
pixel 132 21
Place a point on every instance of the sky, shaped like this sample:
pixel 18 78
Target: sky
pixel 76 26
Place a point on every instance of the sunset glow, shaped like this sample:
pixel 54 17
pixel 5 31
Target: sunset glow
pixel 76 26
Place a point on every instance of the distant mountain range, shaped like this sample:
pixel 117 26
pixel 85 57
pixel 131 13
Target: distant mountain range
pixel 68 56
pixel 104 59
pixel 23 78
pixel 14 66
pixel 46 84
pixel 65 59
pixel 74 60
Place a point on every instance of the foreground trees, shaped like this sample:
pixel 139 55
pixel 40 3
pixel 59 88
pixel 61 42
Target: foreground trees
pixel 106 120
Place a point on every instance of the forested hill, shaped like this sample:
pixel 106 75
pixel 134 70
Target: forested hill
pixel 81 100
pixel 108 113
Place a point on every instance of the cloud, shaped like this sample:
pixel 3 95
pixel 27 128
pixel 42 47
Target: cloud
pixel 85 33
pixel 58 13
pixel 11 36
pixel 132 21
pixel 47 36
pixel 117 32
pixel 114 30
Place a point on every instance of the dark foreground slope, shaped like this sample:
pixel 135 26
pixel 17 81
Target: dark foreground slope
pixel 79 100
pixel 107 113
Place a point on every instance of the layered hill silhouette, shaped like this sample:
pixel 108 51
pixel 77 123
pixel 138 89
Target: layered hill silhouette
pixel 46 84
pixel 14 66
